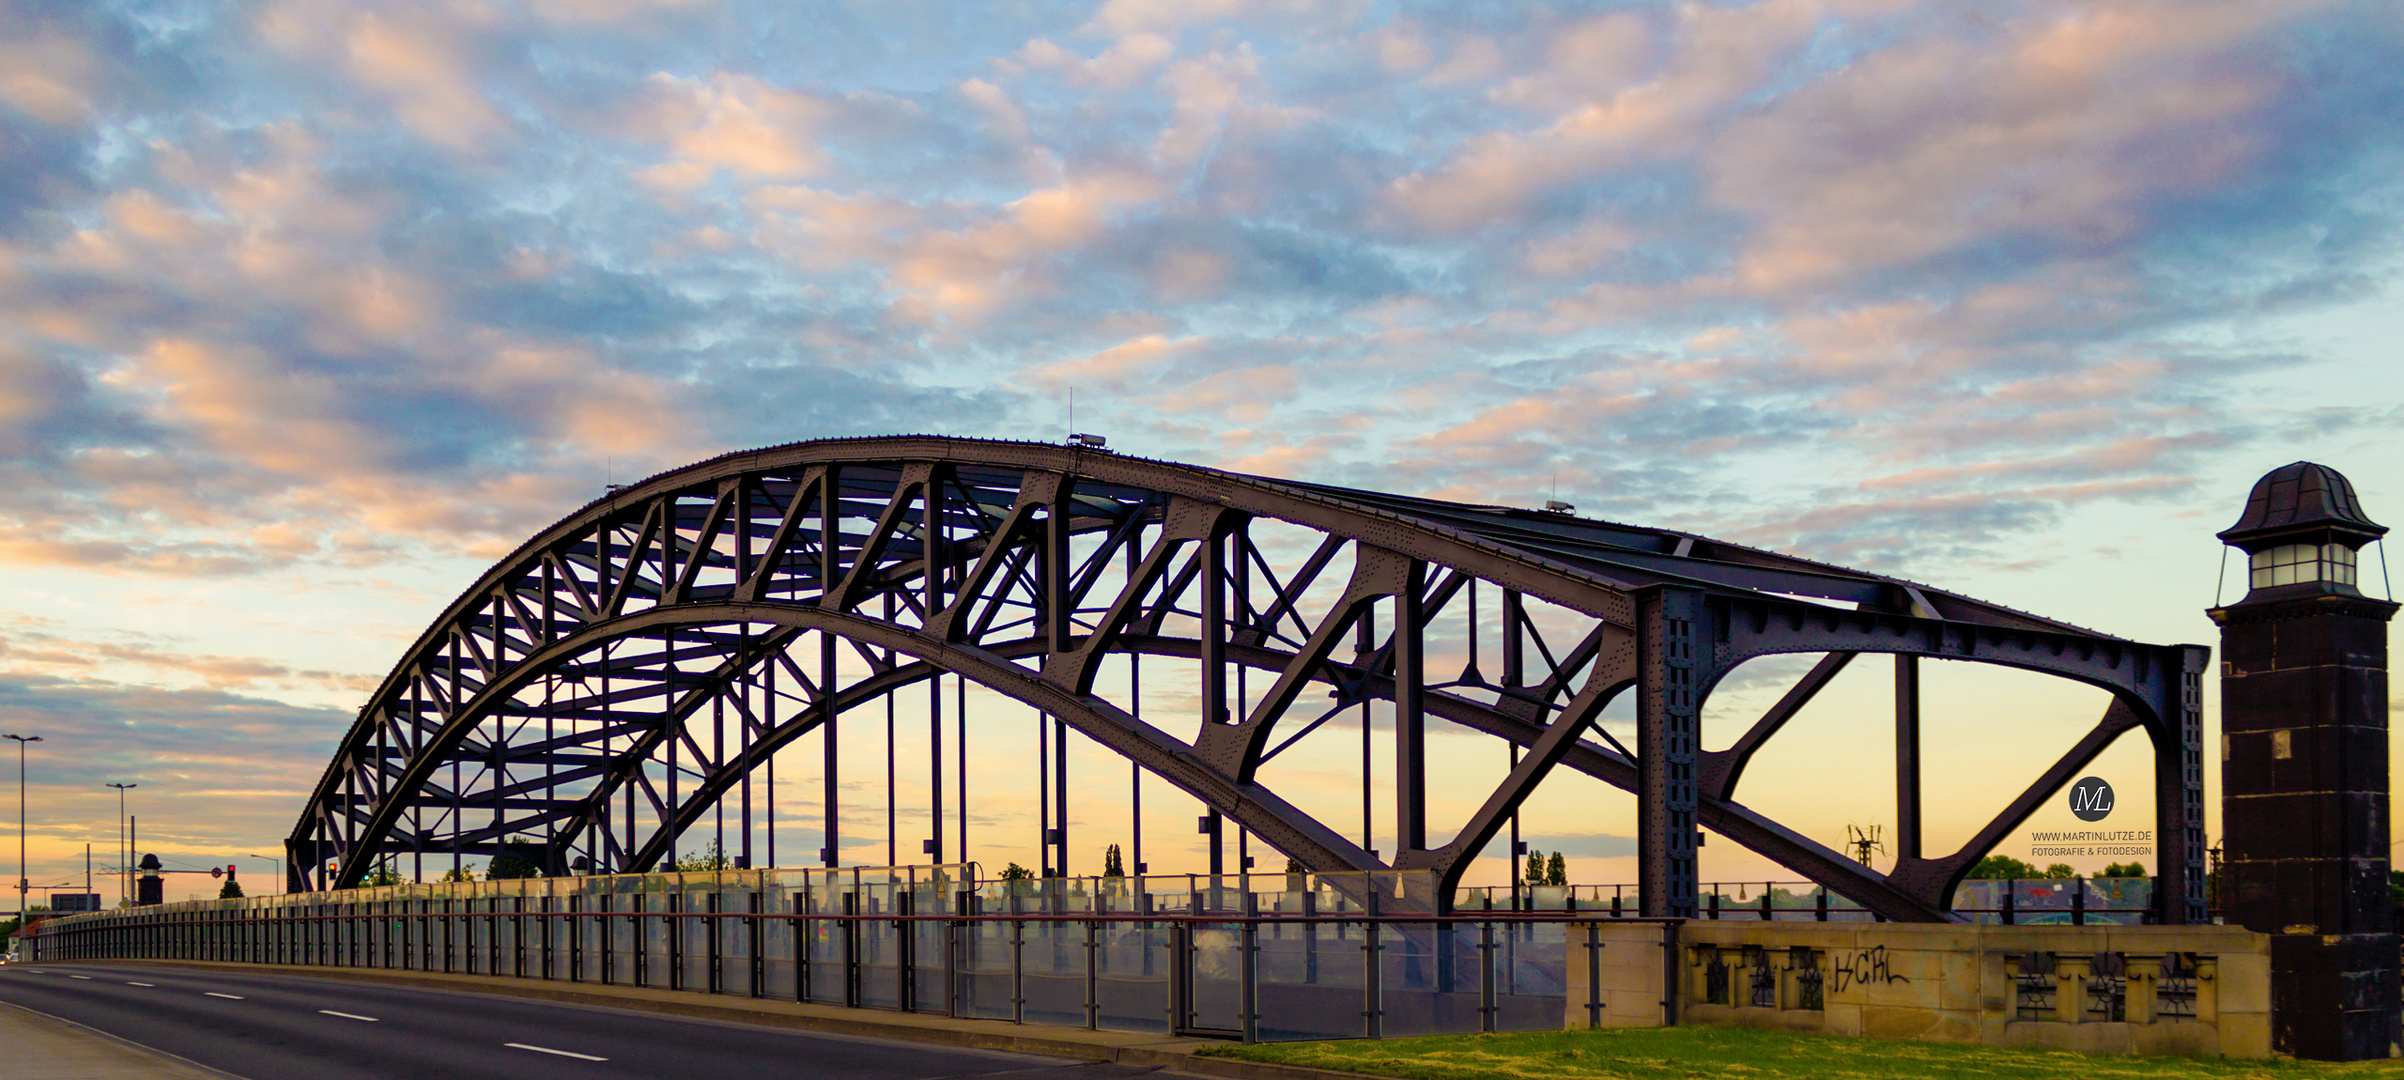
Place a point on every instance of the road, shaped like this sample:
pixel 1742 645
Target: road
pixel 284 1027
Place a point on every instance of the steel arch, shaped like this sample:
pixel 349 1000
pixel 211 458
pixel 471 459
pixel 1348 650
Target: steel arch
pixel 1026 567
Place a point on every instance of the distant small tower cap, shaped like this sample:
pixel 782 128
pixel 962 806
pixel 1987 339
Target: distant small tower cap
pixel 2302 503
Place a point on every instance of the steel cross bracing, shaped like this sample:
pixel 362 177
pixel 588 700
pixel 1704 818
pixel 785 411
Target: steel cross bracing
pixel 623 675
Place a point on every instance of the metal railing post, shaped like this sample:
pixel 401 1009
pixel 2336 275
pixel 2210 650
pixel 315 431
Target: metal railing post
pixel 1248 968
pixel 1181 983
pixel 851 950
pixel 755 957
pixel 805 929
pixel 804 934
pixel 1093 951
pixel 717 942
pixel 641 941
pixel 1372 997
pixel 1310 939
pixel 1485 976
pixel 575 928
pixel 954 940
pixel 604 938
pixel 905 952
pixel 1018 964
pixel 1594 975
pixel 677 909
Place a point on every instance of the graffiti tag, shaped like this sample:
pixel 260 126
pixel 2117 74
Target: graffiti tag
pixel 1867 967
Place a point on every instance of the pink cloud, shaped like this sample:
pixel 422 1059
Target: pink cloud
pixel 421 62
pixel 729 122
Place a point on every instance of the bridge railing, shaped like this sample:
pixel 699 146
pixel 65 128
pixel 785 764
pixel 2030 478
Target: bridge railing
pixel 1258 957
pixel 2069 901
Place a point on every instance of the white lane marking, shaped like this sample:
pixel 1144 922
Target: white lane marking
pixel 350 1016
pixel 152 985
pixel 228 997
pixel 548 1050
pixel 85 978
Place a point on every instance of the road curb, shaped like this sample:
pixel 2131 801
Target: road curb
pixel 1119 1048
pixel 155 1064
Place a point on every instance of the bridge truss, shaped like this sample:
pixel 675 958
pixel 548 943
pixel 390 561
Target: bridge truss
pixel 622 676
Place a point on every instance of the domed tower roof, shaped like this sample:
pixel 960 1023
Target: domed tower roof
pixel 2302 503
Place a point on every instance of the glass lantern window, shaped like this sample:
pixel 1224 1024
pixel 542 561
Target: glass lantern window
pixel 2290 564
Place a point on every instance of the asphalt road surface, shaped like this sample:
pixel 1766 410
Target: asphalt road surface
pixel 283 1027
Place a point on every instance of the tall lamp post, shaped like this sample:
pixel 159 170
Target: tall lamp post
pixel 125 889
pixel 279 866
pixel 24 884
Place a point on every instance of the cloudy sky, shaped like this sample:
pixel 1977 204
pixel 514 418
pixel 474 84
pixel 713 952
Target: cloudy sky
pixel 308 309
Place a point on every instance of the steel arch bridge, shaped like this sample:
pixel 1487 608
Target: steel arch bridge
pixel 573 707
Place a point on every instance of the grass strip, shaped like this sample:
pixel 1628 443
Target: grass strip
pixel 1754 1054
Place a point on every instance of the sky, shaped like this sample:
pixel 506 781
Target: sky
pixel 309 310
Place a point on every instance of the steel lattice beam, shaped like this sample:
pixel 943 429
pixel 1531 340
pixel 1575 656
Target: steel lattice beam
pixel 577 698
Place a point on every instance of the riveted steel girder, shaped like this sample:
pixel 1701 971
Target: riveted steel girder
pixel 580 695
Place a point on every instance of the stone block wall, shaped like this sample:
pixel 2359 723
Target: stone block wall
pixel 1630 962
pixel 2099 989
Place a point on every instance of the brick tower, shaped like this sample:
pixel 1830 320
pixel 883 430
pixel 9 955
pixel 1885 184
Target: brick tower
pixel 2304 766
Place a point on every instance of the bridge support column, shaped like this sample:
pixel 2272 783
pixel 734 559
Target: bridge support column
pixel 1907 756
pixel 1668 742
pixel 1410 713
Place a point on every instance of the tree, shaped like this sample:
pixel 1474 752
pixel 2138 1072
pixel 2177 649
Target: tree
pixel 510 866
pixel 1112 866
pixel 1015 872
pixel 707 859
pixel 518 859
pixel 457 873
pixel 2131 869
pixel 231 891
pixel 1999 867
pixel 1556 870
pixel 1535 872
pixel 383 874
pixel 2060 871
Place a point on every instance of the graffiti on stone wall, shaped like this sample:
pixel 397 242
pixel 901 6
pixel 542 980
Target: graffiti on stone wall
pixel 1867 967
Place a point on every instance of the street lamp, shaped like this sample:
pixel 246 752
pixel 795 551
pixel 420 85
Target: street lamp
pixel 124 858
pixel 24 884
pixel 279 867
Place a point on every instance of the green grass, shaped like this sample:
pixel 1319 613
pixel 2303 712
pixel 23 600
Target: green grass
pixel 1751 1054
